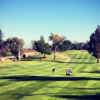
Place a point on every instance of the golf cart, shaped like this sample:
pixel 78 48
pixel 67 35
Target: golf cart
pixel 69 71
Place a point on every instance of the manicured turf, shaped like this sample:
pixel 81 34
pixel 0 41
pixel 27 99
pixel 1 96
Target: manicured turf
pixel 33 80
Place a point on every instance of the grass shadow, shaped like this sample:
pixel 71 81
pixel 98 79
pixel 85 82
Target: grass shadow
pixel 80 97
pixel 87 88
pixel 82 62
pixel 38 59
pixel 83 58
pixel 90 71
pixel 45 78
pixel 30 58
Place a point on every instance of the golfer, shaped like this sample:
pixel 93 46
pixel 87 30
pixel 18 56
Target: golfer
pixel 53 70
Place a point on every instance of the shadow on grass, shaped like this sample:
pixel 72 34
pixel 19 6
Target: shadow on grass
pixel 75 88
pixel 90 71
pixel 45 78
pixel 76 97
pixel 71 62
pixel 87 88
pixel 38 59
pixel 84 58
pixel 82 62
pixel 31 58
pixel 54 61
pixel 79 97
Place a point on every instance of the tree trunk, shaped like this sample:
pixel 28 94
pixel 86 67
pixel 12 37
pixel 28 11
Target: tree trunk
pixel 18 53
pixel 55 58
pixel 97 60
pixel 44 55
pixel 55 53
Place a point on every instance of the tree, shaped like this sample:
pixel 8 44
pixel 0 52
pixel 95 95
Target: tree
pixel 2 45
pixel 1 35
pixel 79 45
pixel 66 45
pixel 76 45
pixel 57 40
pixel 47 49
pixel 16 46
pixel 42 47
pixel 1 40
pixel 41 37
pixel 94 44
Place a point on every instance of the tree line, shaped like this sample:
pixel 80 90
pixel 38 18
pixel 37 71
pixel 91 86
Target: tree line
pixel 59 43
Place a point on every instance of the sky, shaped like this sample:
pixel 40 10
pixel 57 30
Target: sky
pixel 29 19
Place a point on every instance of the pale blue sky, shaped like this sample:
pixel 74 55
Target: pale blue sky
pixel 29 19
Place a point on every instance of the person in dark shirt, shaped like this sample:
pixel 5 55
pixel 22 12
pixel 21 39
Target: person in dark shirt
pixel 53 70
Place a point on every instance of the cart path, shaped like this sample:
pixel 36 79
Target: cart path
pixel 68 58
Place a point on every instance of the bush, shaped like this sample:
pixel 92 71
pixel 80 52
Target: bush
pixel 24 56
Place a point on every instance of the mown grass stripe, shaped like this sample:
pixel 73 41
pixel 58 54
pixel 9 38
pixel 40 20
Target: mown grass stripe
pixel 6 83
pixel 47 91
pixel 13 86
pixel 26 90
pixel 74 86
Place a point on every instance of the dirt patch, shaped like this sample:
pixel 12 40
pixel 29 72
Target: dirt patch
pixel 68 58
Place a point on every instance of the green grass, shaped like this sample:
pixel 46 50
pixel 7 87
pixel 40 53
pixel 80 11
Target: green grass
pixel 9 54
pixel 48 58
pixel 33 79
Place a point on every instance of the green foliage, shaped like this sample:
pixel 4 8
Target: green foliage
pixel 66 45
pixel 80 45
pixel 1 35
pixel 94 44
pixel 2 45
pixel 13 44
pixel 42 47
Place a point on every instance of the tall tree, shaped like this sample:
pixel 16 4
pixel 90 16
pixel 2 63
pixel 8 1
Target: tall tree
pixel 42 47
pixel 57 40
pixel 1 38
pixel 16 46
pixel 2 45
pixel 1 35
pixel 94 44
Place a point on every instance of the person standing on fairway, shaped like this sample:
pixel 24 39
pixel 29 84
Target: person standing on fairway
pixel 53 70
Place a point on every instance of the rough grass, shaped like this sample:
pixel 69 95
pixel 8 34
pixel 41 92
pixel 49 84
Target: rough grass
pixel 33 80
